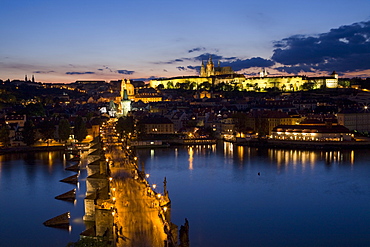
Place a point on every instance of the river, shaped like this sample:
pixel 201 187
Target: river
pixel 232 196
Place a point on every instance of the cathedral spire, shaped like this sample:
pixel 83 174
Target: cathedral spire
pixel 210 70
pixel 210 60
pixel 202 70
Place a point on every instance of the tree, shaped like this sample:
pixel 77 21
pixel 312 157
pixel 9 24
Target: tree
pixel 192 85
pixel 34 110
pixel 80 130
pixel 64 129
pixel 125 125
pixel 29 133
pixel 305 86
pixel 170 85
pixel 205 85
pixel 47 129
pixel 4 135
pixel 344 83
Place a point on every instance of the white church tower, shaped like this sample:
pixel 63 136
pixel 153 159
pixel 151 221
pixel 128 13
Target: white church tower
pixel 125 102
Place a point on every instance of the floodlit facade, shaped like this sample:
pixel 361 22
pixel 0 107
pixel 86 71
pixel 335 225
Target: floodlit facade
pixel 324 132
pixel 215 75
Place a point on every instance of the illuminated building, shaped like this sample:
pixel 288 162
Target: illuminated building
pixel 147 95
pixel 289 83
pixel 212 75
pixel 311 132
pixel 211 70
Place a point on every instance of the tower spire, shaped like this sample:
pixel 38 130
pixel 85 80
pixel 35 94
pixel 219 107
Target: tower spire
pixel 210 59
pixel 202 70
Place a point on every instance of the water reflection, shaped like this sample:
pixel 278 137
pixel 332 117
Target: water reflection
pixel 285 157
pixel 191 158
pixel 242 155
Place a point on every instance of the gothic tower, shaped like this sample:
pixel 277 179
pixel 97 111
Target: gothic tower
pixel 127 90
pixel 203 70
pixel 125 104
pixel 210 67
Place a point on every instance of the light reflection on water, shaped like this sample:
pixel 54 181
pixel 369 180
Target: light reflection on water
pixel 300 198
pixel 243 196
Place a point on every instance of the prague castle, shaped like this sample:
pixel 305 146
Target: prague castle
pixel 215 75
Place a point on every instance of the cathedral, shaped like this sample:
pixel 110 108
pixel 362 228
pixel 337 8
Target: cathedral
pixel 208 73
pixel 210 70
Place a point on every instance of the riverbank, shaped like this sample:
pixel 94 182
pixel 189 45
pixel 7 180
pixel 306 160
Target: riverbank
pixel 308 145
pixel 25 149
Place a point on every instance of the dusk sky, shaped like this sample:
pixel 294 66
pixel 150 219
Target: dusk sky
pixel 69 40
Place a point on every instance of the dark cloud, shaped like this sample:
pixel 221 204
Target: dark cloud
pixel 239 64
pixel 125 72
pixel 206 56
pixel 43 72
pixel 80 73
pixel 171 62
pixel 107 68
pixel 100 69
pixel 295 69
pixel 197 68
pixel 197 49
pixel 235 63
pixel 343 49
pixel 189 67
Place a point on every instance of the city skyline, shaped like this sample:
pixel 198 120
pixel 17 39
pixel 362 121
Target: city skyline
pixel 96 40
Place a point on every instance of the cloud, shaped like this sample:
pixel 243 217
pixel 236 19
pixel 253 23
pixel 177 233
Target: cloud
pixel 171 61
pixel 239 64
pixel 295 69
pixel 181 68
pixel 43 72
pixel 236 63
pixel 80 73
pixel 206 56
pixel 344 49
pixel 197 68
pixel 125 72
pixel 107 68
pixel 197 49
